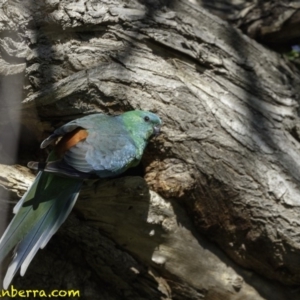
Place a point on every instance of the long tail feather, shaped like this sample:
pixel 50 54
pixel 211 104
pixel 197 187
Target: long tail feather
pixel 51 230
pixel 39 214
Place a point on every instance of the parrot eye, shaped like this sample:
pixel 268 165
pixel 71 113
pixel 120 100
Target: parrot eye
pixel 146 118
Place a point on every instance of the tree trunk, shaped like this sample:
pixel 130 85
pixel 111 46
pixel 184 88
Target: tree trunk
pixel 217 213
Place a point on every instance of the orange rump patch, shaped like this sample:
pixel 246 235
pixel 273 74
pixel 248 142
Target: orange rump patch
pixel 69 140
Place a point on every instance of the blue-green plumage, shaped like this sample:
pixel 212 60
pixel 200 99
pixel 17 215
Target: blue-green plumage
pixel 98 144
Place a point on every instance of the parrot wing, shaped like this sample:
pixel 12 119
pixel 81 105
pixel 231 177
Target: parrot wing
pixel 106 155
pixel 87 122
pixel 97 144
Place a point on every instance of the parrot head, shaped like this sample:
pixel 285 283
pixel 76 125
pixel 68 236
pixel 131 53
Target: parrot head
pixel 142 123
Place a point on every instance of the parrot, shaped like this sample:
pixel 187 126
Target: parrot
pixel 99 145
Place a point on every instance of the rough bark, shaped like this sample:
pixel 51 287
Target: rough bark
pixel 224 9
pixel 229 151
pixel 275 23
pixel 272 23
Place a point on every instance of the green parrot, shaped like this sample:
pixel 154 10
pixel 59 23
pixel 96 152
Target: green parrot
pixel 97 144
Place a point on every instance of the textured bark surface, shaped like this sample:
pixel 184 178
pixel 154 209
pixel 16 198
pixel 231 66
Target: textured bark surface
pixel 224 9
pixel 229 151
pixel 273 23
pixel 276 23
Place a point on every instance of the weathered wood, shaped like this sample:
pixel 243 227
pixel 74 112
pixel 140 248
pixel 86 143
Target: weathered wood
pixel 230 144
pixel 275 23
pixel 224 9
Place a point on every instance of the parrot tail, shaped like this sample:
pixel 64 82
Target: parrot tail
pixel 38 215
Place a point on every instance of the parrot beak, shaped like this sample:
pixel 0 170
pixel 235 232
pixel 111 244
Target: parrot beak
pixel 156 130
